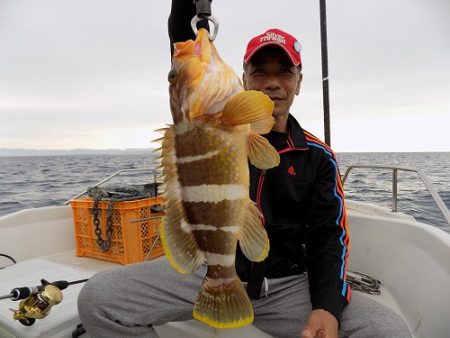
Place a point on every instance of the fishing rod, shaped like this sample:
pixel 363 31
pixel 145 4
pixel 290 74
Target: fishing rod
pixel 325 82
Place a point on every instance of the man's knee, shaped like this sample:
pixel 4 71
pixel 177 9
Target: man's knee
pixel 391 325
pixel 93 294
pixel 366 317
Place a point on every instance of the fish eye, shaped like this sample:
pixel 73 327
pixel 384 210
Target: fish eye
pixel 172 76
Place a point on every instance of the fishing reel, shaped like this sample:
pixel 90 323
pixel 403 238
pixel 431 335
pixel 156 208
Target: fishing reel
pixel 37 305
pixel 37 301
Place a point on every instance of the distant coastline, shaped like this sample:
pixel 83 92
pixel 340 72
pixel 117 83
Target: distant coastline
pixel 8 152
pixel 22 152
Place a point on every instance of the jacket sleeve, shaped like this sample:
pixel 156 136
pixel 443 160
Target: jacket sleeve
pixel 327 240
pixel 179 22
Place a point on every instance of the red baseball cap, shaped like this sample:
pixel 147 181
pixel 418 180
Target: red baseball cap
pixel 275 37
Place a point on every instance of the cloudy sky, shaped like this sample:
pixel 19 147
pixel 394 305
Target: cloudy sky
pixel 93 73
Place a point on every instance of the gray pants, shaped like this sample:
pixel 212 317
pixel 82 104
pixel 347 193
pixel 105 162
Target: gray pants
pixel 127 301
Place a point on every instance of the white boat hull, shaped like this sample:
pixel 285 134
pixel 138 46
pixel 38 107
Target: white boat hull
pixel 409 257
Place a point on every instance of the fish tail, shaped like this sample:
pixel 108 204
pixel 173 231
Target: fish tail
pixel 223 304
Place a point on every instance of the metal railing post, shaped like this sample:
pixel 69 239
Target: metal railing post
pixel 428 185
pixel 394 190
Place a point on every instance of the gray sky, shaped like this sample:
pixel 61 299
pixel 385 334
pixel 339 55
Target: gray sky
pixel 93 73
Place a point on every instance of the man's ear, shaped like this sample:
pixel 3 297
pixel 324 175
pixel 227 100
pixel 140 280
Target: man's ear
pixel 299 84
pixel 244 81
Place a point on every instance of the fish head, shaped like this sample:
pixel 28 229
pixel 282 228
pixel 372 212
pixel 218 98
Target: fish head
pixel 199 79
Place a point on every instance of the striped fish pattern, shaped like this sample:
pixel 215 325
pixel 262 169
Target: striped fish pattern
pixel 204 157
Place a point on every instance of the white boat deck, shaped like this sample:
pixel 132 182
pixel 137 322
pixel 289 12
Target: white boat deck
pixel 35 231
pixel 64 317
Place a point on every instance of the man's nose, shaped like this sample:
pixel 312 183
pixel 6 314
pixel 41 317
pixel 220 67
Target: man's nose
pixel 272 83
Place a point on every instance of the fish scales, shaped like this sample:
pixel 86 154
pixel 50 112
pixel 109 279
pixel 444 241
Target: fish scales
pixel 216 242
pixel 204 158
pixel 220 170
pixel 206 212
pixel 219 271
pixel 188 142
pixel 210 152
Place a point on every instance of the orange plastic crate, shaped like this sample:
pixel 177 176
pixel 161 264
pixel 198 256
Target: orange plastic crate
pixel 133 232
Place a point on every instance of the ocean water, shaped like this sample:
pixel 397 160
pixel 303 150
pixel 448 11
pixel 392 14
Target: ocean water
pixel 36 181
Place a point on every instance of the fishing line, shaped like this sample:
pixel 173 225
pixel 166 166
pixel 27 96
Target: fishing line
pixel 10 258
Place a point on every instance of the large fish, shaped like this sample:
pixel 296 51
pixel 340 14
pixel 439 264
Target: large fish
pixel 205 167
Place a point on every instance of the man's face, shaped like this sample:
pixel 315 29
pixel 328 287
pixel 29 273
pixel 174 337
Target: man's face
pixel 271 72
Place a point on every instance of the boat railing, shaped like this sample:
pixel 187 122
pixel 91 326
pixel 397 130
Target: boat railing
pixel 151 171
pixel 429 186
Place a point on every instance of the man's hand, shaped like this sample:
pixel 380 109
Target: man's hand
pixel 320 324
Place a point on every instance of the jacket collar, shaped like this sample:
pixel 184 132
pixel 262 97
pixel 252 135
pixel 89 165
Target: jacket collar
pixel 296 137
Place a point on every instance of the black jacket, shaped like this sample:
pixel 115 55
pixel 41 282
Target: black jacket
pixel 304 214
pixel 302 202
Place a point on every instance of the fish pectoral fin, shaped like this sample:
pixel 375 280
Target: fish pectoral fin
pixel 223 304
pixel 261 153
pixel 249 107
pixel 177 239
pixel 253 239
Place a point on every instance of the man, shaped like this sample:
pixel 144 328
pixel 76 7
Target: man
pixel 300 289
pixel 302 199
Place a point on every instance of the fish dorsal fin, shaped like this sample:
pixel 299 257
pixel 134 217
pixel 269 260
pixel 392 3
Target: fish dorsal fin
pixel 177 238
pixel 253 238
pixel 249 107
pixel 261 153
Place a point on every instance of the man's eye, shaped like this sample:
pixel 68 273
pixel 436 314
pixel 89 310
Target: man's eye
pixel 257 71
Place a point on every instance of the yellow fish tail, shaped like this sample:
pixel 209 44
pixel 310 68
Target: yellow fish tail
pixel 223 304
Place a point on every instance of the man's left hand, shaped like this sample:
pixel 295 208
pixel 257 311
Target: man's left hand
pixel 320 324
